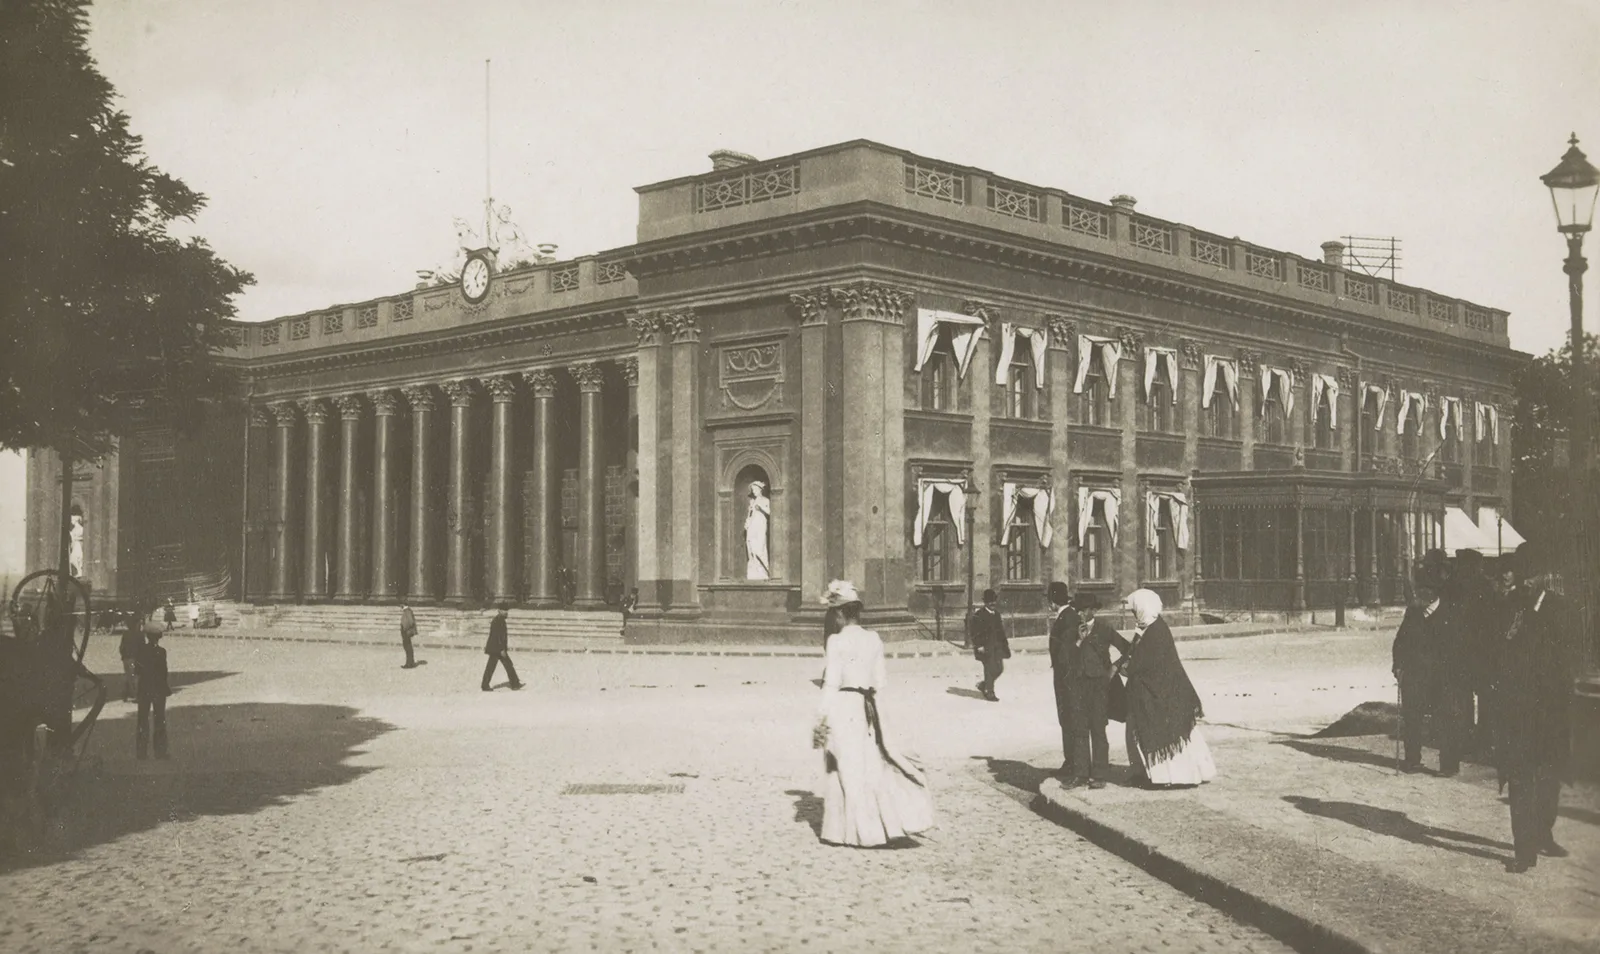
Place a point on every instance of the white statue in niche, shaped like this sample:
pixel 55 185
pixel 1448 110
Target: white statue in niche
pixel 755 533
pixel 75 549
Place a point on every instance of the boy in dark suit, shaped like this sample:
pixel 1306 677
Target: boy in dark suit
pixel 131 645
pixel 153 692
pixel 496 649
pixel 989 642
pixel 1088 669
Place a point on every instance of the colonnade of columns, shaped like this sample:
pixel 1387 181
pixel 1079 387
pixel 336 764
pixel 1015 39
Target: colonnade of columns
pixel 365 562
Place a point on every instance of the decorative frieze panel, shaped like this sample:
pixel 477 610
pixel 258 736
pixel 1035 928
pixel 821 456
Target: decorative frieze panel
pixel 1085 219
pixel 946 185
pixel 607 272
pixel 367 316
pixel 404 310
pixel 1151 236
pixel 1478 319
pixel 300 328
pixel 563 279
pixel 1017 203
pixel 269 334
pixel 1402 301
pixel 1441 310
pixel 1359 289
pixel 333 323
pixel 1314 278
pixel 745 188
pixel 750 375
pixel 1207 252
pixel 1262 265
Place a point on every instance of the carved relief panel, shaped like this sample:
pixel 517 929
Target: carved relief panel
pixel 750 375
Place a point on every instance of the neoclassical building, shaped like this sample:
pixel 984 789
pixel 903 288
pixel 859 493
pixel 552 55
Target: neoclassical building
pixel 852 362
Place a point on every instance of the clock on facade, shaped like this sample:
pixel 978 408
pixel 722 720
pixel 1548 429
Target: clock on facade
pixel 475 278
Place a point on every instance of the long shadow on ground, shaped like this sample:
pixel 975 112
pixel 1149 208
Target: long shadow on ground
pixel 1395 824
pixel 119 685
pixel 226 760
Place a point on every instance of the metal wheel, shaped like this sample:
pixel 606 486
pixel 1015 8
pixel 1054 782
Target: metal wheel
pixel 47 603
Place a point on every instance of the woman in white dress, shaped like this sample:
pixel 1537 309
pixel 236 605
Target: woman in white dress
pixel 872 794
pixel 1165 746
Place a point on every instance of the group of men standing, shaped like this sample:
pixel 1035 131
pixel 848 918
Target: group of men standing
pixel 1080 660
pixel 1490 662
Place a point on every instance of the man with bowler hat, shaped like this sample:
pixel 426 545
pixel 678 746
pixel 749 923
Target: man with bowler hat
pixel 496 649
pixel 989 642
pixel 1088 668
pixel 1063 636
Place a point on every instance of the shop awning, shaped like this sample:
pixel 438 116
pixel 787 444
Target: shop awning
pixel 1499 535
pixel 1460 533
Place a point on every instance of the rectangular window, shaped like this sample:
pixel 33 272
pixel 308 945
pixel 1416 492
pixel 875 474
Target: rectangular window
pixel 1022 546
pixel 1324 437
pixel 938 544
pixel 1450 446
pixel 1094 556
pixel 1487 453
pixel 1411 440
pixel 1270 419
pixel 939 375
pixel 1221 415
pixel 1094 403
pixel 1164 558
pixel 1020 392
pixel 1159 413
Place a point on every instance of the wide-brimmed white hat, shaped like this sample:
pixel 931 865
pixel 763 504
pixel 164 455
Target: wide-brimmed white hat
pixel 840 592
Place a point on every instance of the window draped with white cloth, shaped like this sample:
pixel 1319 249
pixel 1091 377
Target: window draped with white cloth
pixel 1109 350
pixel 965 331
pixel 1228 370
pixel 1177 506
pixel 1283 381
pixel 1162 361
pixel 1407 400
pixel 1368 388
pixel 1037 338
pixel 1449 412
pixel 928 494
pixel 1486 420
pixel 1108 500
pixel 1044 505
pixel 1325 384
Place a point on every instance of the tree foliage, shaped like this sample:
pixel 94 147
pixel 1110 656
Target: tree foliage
pixel 1545 409
pixel 104 314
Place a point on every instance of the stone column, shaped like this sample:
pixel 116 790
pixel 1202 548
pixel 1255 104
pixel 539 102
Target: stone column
pixel 385 514
pixel 1191 379
pixel 682 406
pixel 1298 600
pixel 980 549
pixel 652 592
pixel 314 565
pixel 591 490
pixel 348 583
pixel 459 519
pixel 542 504
pixel 1374 590
pixel 1246 411
pixel 280 538
pixel 813 437
pixel 257 552
pixel 1061 370
pixel 497 546
pixel 424 402
pixel 630 471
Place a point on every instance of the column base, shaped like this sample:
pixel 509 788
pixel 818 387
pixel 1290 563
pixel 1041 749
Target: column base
pixel 589 603
pixel 282 598
pixel 542 603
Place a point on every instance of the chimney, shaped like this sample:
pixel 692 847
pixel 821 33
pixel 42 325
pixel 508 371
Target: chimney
pixel 1123 203
pixel 1333 254
pixel 547 253
pixel 728 159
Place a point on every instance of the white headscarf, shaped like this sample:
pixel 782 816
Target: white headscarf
pixel 1146 606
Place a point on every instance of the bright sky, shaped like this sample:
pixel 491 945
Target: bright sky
pixel 336 141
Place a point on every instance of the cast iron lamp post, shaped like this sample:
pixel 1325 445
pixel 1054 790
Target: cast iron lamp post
pixel 1573 184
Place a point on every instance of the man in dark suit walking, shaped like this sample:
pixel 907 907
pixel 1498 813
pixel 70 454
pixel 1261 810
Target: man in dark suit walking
pixel 496 649
pixel 1421 664
pixel 408 631
pixel 989 643
pixel 1088 670
pixel 153 692
pixel 1063 636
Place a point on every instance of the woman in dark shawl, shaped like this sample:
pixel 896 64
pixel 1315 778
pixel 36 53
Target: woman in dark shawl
pixel 1165 746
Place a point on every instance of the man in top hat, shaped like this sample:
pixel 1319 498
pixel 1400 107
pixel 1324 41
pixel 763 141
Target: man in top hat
pixel 1063 636
pixel 496 648
pixel 1533 735
pixel 1420 664
pixel 989 643
pixel 1475 615
pixel 1087 663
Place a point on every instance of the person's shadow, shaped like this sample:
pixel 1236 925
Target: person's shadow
pixel 1395 824
pixel 964 693
pixel 1018 775
pixel 808 809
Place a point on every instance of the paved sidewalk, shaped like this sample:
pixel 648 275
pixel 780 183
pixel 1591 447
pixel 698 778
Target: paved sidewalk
pixel 907 649
pixel 1320 841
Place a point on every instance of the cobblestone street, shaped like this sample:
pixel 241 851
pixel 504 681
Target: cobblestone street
pixel 320 798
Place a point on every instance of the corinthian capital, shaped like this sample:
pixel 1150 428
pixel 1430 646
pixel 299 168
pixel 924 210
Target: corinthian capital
pixel 351 406
pixel 685 325
pixel 386 403
pixel 421 397
pixel 1063 330
pixel 286 412
pixel 542 381
pixel 260 416
pixel 502 388
pixel 978 309
pixel 872 301
pixel 460 391
pixel 647 325
pixel 812 306
pixel 589 376
pixel 630 371
pixel 316 410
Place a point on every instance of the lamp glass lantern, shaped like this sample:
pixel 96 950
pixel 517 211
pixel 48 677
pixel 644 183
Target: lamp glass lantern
pixel 1573 184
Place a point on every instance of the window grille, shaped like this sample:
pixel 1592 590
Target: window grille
pixel 1263 265
pixel 745 188
pixel 1156 238
pixel 1359 289
pixel 1479 319
pixel 1085 219
pixel 1441 310
pixel 564 279
pixel 1208 252
pixel 1017 203
pixel 946 185
pixel 1403 301
pixel 1316 279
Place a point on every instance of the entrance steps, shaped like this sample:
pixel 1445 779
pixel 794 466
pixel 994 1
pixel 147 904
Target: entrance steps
pixel 383 622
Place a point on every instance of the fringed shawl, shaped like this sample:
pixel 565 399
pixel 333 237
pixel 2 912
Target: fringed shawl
pixel 1162 703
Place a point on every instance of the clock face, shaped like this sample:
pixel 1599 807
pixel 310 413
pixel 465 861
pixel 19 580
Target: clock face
pixel 475 279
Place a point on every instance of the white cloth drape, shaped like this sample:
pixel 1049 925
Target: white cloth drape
pixel 1486 414
pixel 1110 502
pixel 965 331
pixel 1110 352
pixel 1229 369
pixel 1449 411
pixel 1037 340
pixel 1043 505
pixel 1157 360
pixel 955 495
pixel 1382 394
pixel 1325 384
pixel 1408 398
pixel 1177 508
pixel 1285 384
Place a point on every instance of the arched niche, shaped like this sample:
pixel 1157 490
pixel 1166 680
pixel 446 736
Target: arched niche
pixel 741 469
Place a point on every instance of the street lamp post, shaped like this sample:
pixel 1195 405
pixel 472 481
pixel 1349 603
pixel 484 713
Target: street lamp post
pixel 1573 184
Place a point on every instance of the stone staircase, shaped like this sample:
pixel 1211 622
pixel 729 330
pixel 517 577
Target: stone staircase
pixel 433 622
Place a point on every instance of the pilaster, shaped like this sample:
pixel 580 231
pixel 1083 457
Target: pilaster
pixel 684 512
pixel 812 309
pixel 1060 368
pixel 647 524
pixel 1131 529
